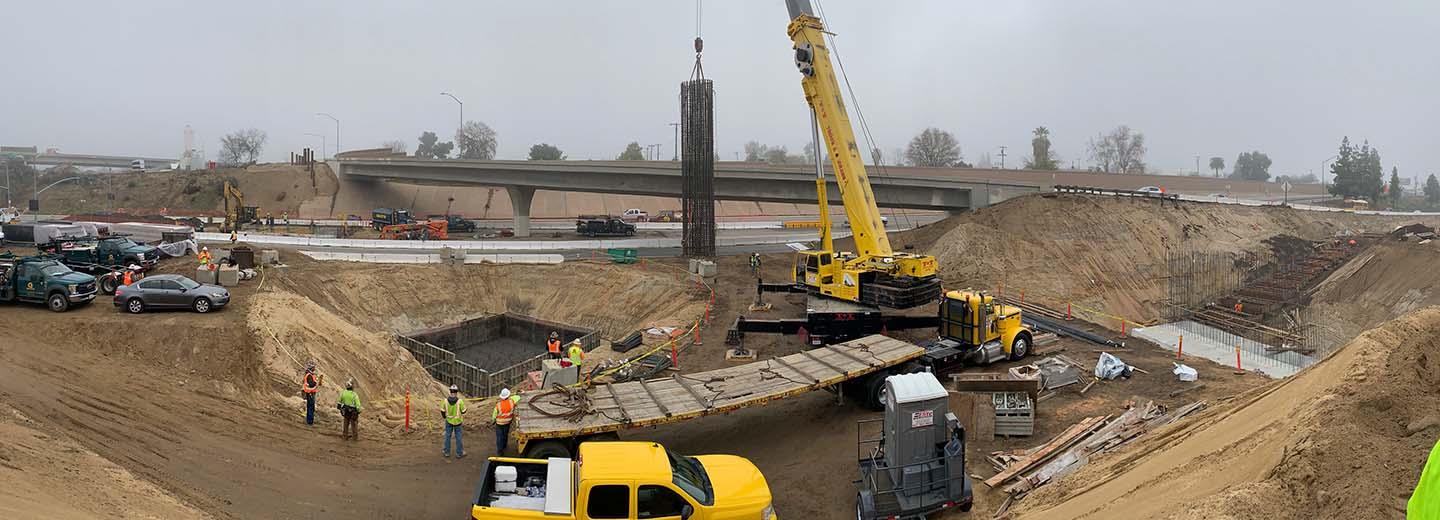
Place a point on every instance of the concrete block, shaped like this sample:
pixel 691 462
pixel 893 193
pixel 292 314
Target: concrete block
pixel 229 276
pixel 705 268
pixel 269 257
pixel 221 254
pixel 694 266
pixel 205 275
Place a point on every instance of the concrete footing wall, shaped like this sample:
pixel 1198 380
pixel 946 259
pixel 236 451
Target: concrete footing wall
pixel 483 355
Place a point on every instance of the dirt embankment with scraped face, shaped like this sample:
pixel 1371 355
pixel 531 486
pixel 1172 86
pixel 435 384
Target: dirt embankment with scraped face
pixel 1347 438
pixel 1109 253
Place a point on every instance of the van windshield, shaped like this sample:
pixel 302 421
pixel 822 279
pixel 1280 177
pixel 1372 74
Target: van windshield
pixel 691 477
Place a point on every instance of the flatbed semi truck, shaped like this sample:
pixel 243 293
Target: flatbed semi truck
pixel 553 423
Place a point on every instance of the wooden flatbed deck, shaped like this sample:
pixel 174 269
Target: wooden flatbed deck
pixel 679 397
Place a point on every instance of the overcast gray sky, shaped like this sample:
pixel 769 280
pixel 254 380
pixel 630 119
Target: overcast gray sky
pixel 1198 78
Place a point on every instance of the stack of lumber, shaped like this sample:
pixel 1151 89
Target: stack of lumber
pixel 1020 471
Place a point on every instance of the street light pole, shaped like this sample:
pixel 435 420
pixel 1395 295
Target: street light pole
pixel 322 143
pixel 1197 166
pixel 337 131
pixel 462 107
pixel 1323 185
pixel 677 141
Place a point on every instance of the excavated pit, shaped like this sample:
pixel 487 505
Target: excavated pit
pixel 482 355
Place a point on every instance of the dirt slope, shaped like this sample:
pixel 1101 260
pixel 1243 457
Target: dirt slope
pixel 273 187
pixel 1345 439
pixel 1391 279
pixel 1108 252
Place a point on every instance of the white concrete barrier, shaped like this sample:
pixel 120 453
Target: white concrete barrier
pixel 421 258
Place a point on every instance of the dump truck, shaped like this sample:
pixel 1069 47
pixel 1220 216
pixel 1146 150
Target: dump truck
pixel 623 480
pixel 382 217
pixel 44 279
pixel 916 464
pixel 548 423
pixel 603 226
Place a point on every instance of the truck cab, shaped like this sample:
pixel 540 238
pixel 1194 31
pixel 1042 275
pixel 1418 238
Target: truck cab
pixel 623 480
pixel 41 279
pixel 984 329
pixel 120 250
pixel 382 217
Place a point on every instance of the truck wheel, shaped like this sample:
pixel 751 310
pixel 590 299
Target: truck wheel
pixel 201 305
pixel 130 260
pixel 873 396
pixel 1020 348
pixel 57 302
pixel 107 285
pixel 547 449
pixel 965 508
pixel 135 306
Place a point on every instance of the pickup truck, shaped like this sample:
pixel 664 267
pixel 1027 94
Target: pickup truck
pixel 623 480
pixel 455 223
pixel 635 215
pixel 43 279
pixel 603 227
pixel 106 253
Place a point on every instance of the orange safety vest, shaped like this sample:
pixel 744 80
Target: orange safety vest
pixel 128 279
pixel 506 409
pixel 310 385
pixel 554 346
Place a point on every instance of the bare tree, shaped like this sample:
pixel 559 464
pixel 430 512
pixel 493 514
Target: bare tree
pixel 396 146
pixel 934 148
pixel 1120 151
pixel 242 147
pixel 476 141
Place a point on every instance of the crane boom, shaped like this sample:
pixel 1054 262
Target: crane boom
pixel 822 92
pixel 874 274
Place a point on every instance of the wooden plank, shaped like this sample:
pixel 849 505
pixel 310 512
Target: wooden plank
pixel 792 368
pixel 822 362
pixel 618 404
pixel 651 393
pixel 1059 442
pixel 686 385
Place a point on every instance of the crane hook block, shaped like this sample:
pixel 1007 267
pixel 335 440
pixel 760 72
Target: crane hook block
pixel 699 44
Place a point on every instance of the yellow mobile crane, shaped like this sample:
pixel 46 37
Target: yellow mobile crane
pixel 847 289
pixel 874 274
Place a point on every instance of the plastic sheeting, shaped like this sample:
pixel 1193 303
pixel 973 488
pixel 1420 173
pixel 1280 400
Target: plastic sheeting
pixel 179 248
pixel 1185 373
pixel 1110 367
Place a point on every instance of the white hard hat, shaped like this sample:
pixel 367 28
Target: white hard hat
pixel 454 388
pixel 504 393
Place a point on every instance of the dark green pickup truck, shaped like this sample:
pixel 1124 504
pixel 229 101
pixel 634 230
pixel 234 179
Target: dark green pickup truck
pixel 44 279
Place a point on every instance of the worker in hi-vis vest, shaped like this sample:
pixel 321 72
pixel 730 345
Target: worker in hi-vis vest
pixel 309 386
pixel 1424 503
pixel 503 414
pixel 576 354
pixel 553 345
pixel 453 411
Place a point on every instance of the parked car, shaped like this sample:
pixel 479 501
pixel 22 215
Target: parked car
pixel 1150 189
pixel 170 291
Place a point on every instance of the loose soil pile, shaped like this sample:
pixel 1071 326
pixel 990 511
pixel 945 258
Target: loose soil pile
pixel 274 188
pixel 1109 253
pixel 1347 438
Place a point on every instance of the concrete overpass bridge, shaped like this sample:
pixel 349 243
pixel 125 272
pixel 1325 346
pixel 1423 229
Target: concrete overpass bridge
pixel 32 156
pixel 733 181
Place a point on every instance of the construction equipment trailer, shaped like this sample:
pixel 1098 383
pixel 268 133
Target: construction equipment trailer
pixel 553 422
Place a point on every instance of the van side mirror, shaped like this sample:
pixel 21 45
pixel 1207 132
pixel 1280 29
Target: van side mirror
pixel 686 511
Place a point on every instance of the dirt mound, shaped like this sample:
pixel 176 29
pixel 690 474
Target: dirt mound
pixel 1345 439
pixel 1389 280
pixel 1109 252
pixel 275 188
pixel 43 470
pixel 614 300
pixel 293 330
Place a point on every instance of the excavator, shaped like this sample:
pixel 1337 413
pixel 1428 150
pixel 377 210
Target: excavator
pixel 846 290
pixel 236 212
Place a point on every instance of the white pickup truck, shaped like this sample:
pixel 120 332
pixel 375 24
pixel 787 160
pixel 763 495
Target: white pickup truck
pixel 635 215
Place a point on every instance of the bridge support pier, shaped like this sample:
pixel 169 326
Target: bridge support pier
pixel 520 198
